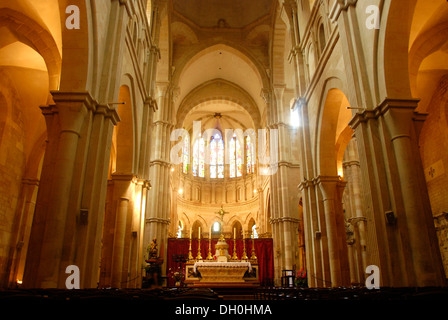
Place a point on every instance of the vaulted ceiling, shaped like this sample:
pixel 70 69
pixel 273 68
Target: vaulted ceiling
pixel 223 13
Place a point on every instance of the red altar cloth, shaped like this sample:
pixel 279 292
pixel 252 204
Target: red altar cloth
pixel 263 251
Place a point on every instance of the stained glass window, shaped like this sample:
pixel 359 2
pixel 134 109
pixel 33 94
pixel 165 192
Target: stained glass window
pixel 250 158
pixel 201 157
pixel 236 158
pixel 198 157
pixel 239 159
pixel 213 158
pixel 216 157
pixel 186 153
pixel 220 159
pixel 232 157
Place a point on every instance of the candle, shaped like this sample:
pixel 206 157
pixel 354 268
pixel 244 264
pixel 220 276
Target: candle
pixel 210 233
pixel 234 233
pixel 199 232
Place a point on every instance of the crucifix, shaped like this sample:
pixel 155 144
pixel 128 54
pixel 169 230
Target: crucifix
pixel 221 213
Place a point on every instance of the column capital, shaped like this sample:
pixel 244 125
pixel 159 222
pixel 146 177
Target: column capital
pixel 150 102
pixel 328 185
pixel 119 176
pixel 72 108
pixel 387 107
pixel 398 115
pixel 339 6
pixel 146 184
pixel 108 112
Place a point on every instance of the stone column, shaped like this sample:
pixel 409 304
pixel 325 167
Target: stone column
pixel 315 258
pixel 93 195
pixel 355 216
pixel 122 184
pixel 54 215
pixel 400 233
pixel 159 200
pixel 398 119
pixel 22 227
pixel 338 259
pixel 284 200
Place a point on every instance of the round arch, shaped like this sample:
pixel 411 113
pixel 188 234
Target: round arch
pixel 124 133
pixel 34 35
pixel 393 45
pixel 218 89
pixel 331 128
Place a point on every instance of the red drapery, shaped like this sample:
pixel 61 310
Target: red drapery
pixel 263 251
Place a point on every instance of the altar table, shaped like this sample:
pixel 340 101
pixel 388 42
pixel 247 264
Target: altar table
pixel 222 272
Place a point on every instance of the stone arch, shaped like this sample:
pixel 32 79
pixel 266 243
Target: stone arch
pixel 237 227
pixel 250 224
pixel 33 34
pixel 331 125
pixel 393 44
pixel 80 63
pixel 195 229
pixel 279 36
pixel 124 132
pixel 213 44
pixel 426 44
pixel 218 89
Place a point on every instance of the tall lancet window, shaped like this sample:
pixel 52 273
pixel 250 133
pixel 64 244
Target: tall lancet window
pixel 236 158
pixel 250 156
pixel 186 154
pixel 198 157
pixel 216 157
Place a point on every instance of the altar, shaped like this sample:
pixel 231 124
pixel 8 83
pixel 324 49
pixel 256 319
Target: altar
pixel 221 268
pixel 223 262
pixel 221 272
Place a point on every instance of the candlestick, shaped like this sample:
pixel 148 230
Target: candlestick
pixel 190 255
pixel 234 255
pixel 209 256
pixel 253 256
pixel 199 257
pixel 244 256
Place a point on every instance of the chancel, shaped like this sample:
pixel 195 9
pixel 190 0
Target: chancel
pixel 223 147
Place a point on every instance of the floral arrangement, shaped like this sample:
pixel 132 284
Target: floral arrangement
pixel 178 275
pixel 301 279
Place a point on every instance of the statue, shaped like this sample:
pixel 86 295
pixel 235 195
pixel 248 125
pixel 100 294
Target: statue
pixel 153 267
pixel 153 250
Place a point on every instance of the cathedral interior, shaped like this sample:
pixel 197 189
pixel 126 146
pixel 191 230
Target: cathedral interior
pixel 310 136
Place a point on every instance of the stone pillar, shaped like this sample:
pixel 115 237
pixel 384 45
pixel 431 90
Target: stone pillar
pixel 338 259
pixel 316 266
pixel 22 228
pixel 56 219
pixel 398 119
pixel 93 195
pixel 400 233
pixel 354 215
pixel 122 184
pixel 159 201
pixel 283 198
